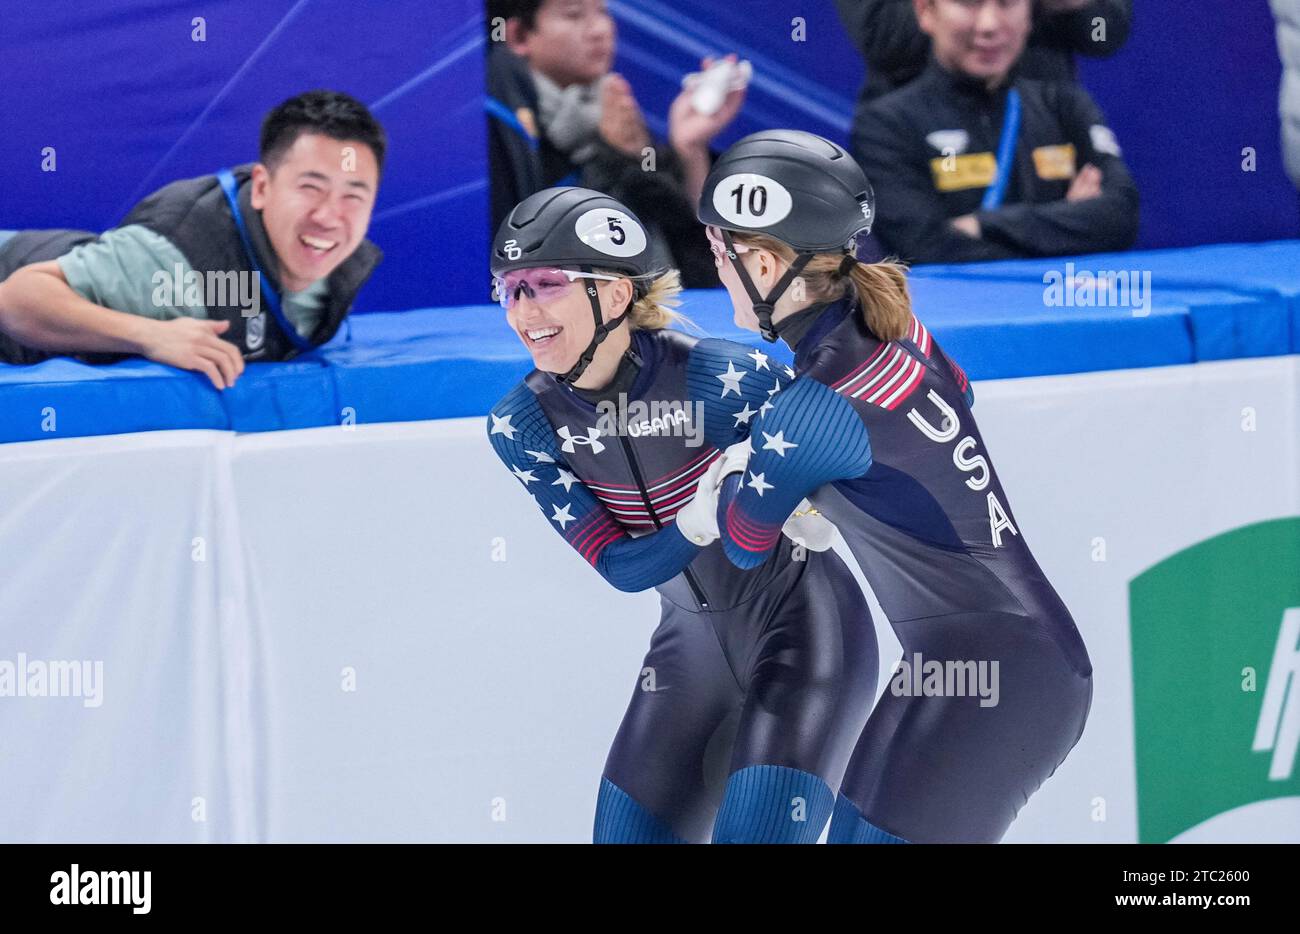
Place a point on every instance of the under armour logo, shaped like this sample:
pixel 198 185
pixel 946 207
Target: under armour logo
pixel 570 440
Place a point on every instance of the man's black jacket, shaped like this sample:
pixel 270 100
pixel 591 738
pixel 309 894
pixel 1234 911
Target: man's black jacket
pixel 929 149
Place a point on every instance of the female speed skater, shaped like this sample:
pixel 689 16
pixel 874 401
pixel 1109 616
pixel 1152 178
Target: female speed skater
pixel 761 679
pixel 876 431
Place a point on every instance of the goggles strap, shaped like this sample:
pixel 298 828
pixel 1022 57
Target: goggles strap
pixel 763 306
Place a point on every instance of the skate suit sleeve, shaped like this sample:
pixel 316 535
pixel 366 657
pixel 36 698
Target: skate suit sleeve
pixel 525 441
pixel 810 436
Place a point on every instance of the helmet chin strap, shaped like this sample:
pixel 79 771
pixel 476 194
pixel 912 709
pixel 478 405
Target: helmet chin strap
pixel 603 329
pixel 763 307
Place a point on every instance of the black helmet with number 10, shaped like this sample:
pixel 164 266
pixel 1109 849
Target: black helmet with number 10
pixel 577 229
pixel 796 187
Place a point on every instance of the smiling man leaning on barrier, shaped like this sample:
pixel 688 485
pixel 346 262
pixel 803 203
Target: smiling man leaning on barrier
pixel 258 262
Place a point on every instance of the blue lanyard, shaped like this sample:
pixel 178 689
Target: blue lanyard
pixel 1006 153
pixel 269 295
pixel 503 113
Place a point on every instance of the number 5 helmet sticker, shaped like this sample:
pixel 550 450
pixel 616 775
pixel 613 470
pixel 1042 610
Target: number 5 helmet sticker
pixel 749 200
pixel 612 232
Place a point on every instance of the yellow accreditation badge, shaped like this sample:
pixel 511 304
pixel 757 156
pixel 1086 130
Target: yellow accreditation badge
pixel 958 173
pixel 1055 163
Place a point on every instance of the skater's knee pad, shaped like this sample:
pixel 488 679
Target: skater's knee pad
pixel 849 826
pixel 773 804
pixel 621 819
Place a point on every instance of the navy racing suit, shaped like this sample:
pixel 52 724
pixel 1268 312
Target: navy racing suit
pixel 995 684
pixel 757 682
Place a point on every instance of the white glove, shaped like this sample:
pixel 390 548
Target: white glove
pixel 808 527
pixel 698 519
pixel 735 459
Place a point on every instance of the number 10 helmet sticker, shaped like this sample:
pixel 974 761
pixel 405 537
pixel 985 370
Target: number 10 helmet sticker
pixel 749 200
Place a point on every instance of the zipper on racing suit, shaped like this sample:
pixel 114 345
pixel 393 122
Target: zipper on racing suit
pixel 694 584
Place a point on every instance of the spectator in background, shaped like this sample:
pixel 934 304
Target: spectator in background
pixel 896 49
pixel 931 150
pixel 558 116
pixel 1287 13
pixel 188 281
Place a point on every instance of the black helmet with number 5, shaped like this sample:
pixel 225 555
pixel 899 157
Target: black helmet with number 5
pixel 797 187
pixel 582 230
pixel 569 228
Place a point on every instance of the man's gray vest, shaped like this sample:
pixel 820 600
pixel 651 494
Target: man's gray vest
pixel 194 215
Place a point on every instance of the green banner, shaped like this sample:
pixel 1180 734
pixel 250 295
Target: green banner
pixel 1216 677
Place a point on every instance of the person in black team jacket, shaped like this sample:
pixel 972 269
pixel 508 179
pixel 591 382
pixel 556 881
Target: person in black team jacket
pixel 258 262
pixel 756 682
pixel 976 162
